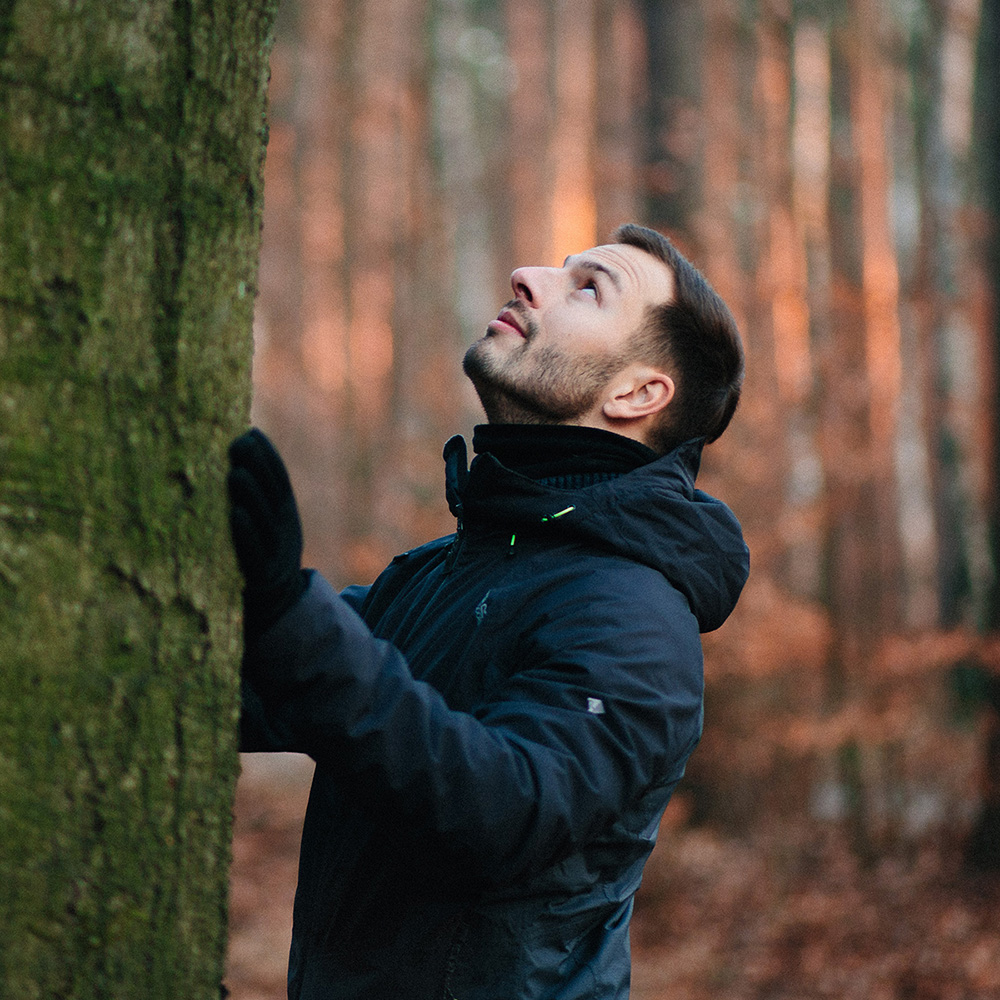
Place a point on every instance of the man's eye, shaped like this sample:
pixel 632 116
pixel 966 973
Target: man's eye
pixel 590 287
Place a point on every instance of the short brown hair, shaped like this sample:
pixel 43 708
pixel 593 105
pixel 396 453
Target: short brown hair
pixel 696 335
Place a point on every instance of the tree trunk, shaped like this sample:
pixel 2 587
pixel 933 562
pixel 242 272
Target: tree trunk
pixel 987 146
pixel 131 144
pixel 984 845
pixel 676 103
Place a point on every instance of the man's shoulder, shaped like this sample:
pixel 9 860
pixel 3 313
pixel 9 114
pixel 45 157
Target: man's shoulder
pixel 424 551
pixel 404 567
pixel 585 581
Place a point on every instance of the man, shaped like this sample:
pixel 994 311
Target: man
pixel 499 720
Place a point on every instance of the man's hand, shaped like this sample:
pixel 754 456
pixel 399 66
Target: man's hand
pixel 266 531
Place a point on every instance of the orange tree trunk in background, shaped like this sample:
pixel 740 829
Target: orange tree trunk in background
pixel 131 145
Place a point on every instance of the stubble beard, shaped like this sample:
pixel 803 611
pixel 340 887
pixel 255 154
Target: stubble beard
pixel 541 386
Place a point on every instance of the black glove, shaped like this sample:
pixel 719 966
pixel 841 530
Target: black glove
pixel 266 531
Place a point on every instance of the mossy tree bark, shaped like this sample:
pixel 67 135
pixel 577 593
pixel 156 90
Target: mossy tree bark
pixel 131 147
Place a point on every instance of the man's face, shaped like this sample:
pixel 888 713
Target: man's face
pixel 555 347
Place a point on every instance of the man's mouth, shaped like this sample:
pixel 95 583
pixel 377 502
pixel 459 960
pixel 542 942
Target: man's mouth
pixel 508 319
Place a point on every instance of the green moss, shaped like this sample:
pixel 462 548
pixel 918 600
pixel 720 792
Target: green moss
pixel 127 245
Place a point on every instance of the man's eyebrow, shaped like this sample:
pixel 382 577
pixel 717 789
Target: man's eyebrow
pixel 596 265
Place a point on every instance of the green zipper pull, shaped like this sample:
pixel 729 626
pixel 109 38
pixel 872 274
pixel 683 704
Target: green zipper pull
pixel 552 517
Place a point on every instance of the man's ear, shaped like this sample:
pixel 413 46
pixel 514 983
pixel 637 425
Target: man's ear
pixel 646 392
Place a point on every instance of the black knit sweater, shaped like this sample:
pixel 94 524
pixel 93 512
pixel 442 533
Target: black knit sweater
pixel 561 455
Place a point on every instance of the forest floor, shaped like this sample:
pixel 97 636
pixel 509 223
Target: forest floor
pixel 782 914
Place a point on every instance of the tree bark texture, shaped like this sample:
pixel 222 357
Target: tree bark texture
pixel 131 147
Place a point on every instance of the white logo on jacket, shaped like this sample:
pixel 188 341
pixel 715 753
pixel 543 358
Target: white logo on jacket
pixel 481 608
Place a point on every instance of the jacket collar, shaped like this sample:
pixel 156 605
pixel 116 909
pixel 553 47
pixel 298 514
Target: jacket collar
pixel 653 515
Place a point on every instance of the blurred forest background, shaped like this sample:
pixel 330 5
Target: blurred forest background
pixel 834 169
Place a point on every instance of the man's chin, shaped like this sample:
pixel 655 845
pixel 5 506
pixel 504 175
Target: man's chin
pixel 514 393
pixel 503 405
pixel 479 363
pixel 492 397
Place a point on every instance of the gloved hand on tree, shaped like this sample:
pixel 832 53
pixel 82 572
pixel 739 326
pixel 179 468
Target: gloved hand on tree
pixel 266 531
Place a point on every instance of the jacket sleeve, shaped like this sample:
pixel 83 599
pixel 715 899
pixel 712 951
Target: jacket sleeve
pixel 256 734
pixel 559 751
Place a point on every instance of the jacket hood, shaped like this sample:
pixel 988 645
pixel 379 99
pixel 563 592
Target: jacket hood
pixel 653 515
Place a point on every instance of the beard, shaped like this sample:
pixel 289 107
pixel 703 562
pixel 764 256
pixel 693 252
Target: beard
pixel 536 385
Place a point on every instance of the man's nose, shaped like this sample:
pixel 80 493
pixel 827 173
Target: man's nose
pixel 532 284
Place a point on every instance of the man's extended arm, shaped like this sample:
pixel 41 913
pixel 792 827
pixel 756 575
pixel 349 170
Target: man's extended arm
pixel 524 778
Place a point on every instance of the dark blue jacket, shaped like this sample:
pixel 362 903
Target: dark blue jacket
pixel 497 724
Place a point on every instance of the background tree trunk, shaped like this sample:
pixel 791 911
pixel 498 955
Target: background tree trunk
pixel 984 843
pixel 987 136
pixel 131 145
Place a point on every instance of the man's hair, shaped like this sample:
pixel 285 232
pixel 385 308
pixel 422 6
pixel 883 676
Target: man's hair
pixel 696 336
